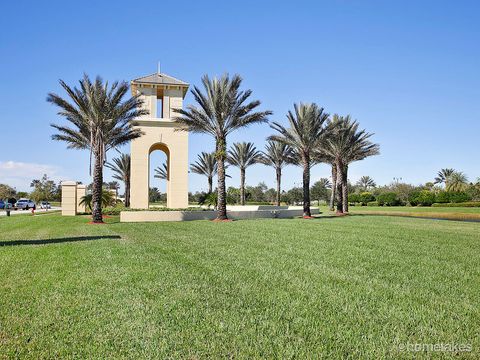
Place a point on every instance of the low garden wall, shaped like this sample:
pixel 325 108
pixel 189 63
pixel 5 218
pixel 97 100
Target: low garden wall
pixel 234 213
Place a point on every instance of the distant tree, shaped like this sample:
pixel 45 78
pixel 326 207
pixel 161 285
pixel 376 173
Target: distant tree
pixel 121 171
pixel 366 183
pixel 304 136
pixel 293 196
pixel 321 189
pixel 277 155
pixel 101 121
pixel 44 189
pixel 443 176
pixel 6 192
pixel 206 165
pixel 457 181
pixel 154 195
pixel 243 155
pixel 256 193
pixel 222 109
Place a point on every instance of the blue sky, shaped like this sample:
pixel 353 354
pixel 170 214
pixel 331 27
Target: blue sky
pixel 407 70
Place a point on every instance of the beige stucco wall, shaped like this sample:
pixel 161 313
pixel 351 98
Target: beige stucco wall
pixel 240 214
pixel 81 192
pixel 69 198
pixel 160 134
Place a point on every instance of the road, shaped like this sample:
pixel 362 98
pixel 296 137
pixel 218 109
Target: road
pixel 29 212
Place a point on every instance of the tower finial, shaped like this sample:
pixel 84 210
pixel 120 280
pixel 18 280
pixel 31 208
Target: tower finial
pixel 158 68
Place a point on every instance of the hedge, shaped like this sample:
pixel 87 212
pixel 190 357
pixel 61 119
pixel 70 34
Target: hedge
pixel 464 204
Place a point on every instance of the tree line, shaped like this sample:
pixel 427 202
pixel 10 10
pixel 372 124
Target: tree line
pixel 100 120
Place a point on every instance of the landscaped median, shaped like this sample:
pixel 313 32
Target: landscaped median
pixel 234 213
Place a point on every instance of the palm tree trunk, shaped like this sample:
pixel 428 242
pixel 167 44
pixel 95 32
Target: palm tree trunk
pixel 345 189
pixel 279 183
pixel 242 186
pixel 334 182
pixel 127 193
pixel 338 186
pixel 210 184
pixel 306 187
pixel 97 189
pixel 222 195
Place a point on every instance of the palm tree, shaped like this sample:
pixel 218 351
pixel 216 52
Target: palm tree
pixel 161 172
pixel 107 199
pixel 243 155
pixel 306 133
pixel 222 109
pixel 277 155
pixel 345 145
pixel 206 164
pixel 457 181
pixel 121 171
pixel 101 121
pixel 366 183
pixel 443 176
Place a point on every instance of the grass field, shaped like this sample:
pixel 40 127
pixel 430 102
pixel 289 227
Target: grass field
pixel 357 286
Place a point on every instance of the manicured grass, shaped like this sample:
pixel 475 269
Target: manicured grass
pixel 333 287
pixel 426 209
pixel 447 213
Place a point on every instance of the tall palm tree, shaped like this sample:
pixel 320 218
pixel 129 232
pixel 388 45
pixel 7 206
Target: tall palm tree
pixel 366 183
pixel 443 176
pixel 345 145
pixel 306 133
pixel 457 181
pixel 121 171
pixel 101 121
pixel 243 155
pixel 222 109
pixel 206 164
pixel 277 155
pixel 161 172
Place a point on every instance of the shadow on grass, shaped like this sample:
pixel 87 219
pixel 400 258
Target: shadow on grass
pixel 57 240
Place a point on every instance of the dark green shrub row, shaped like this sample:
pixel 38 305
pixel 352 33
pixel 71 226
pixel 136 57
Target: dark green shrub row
pixel 464 204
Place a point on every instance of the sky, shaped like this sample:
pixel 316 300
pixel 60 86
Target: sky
pixel 408 71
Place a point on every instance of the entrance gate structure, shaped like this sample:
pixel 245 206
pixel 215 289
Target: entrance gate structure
pixel 161 94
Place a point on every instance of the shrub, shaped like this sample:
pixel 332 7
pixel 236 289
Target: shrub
pixel 353 198
pixel 452 197
pixel 459 197
pixel 366 197
pixel 372 203
pixel 464 204
pixel 388 199
pixel 442 197
pixel 422 198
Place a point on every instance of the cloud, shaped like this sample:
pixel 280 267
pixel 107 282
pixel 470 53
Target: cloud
pixel 20 174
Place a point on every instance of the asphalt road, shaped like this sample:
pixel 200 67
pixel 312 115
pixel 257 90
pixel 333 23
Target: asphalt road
pixel 19 212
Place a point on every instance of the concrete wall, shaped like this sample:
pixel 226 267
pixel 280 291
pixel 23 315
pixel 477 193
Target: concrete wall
pixel 81 192
pixel 157 216
pixel 69 198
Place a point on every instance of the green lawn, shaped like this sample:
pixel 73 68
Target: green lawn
pixel 356 286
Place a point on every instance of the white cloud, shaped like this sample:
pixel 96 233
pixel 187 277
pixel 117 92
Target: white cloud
pixel 20 174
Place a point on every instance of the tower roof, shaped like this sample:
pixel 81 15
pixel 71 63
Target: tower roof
pixel 159 80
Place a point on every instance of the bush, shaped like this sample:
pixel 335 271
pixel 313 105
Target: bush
pixel 459 197
pixel 366 197
pixel 353 198
pixel 388 199
pixel 452 197
pixel 372 203
pixel 113 210
pixel 464 204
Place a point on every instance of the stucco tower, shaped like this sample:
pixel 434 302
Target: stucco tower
pixel 161 94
